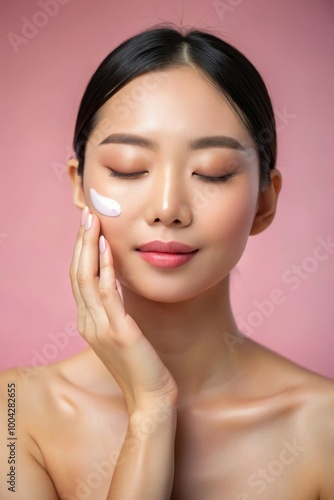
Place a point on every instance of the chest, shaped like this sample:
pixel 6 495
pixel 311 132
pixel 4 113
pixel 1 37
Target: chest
pixel 271 460
pixel 213 460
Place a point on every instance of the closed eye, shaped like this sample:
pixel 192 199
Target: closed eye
pixel 114 173
pixel 205 178
pixel 222 178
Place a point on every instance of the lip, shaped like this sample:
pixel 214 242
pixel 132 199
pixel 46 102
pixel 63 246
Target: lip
pixel 166 260
pixel 172 247
pixel 166 254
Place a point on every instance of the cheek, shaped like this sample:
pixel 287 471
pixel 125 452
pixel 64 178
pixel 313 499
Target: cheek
pixel 120 232
pixel 124 201
pixel 117 232
pixel 229 217
pixel 105 205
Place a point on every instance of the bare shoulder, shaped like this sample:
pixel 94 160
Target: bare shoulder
pixel 285 374
pixel 44 395
pixel 319 429
pixel 16 390
pixel 20 458
pixel 44 391
pixel 70 405
pixel 28 391
pixel 313 394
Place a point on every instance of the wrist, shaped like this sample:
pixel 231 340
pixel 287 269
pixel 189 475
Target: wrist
pixel 153 414
pixel 158 404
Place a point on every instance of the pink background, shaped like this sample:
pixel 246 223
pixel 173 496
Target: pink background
pixel 43 78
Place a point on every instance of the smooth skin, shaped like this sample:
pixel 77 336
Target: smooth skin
pixel 170 400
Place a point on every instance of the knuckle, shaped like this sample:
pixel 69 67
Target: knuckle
pixel 82 280
pixel 104 291
pixel 72 276
pixel 104 265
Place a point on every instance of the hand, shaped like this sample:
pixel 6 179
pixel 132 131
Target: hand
pixel 109 330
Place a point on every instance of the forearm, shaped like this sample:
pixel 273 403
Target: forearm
pixel 145 466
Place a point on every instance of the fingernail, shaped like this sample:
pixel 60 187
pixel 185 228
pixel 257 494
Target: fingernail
pixel 102 244
pixel 88 222
pixel 84 215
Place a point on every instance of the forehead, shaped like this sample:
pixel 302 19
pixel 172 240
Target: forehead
pixel 178 100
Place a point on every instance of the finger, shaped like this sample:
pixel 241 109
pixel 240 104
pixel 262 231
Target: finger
pixel 73 272
pixel 119 289
pixel 88 263
pixel 85 323
pixel 109 289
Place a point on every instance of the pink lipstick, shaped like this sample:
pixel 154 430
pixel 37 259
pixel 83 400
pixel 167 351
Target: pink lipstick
pixel 166 254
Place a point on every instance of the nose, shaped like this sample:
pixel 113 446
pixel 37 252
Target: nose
pixel 168 201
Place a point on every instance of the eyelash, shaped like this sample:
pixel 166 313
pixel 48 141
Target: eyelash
pixel 206 178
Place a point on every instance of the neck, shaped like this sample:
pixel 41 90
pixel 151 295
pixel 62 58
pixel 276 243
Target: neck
pixel 192 337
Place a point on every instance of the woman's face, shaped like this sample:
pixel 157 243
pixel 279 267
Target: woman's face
pixel 170 199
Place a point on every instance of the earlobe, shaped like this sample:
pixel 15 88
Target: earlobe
pixel 77 184
pixel 267 203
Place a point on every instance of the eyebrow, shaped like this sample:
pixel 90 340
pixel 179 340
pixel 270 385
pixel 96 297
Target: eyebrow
pixel 214 141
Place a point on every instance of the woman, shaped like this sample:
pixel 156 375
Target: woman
pixel 175 147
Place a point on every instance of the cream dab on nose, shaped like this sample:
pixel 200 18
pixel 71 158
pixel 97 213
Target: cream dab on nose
pixel 104 205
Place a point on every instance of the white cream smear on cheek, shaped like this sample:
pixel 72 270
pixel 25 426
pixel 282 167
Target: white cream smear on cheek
pixel 104 205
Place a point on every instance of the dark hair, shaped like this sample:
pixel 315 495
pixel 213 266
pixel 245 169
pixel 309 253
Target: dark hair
pixel 159 48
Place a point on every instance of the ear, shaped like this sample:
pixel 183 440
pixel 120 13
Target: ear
pixel 77 183
pixel 267 203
